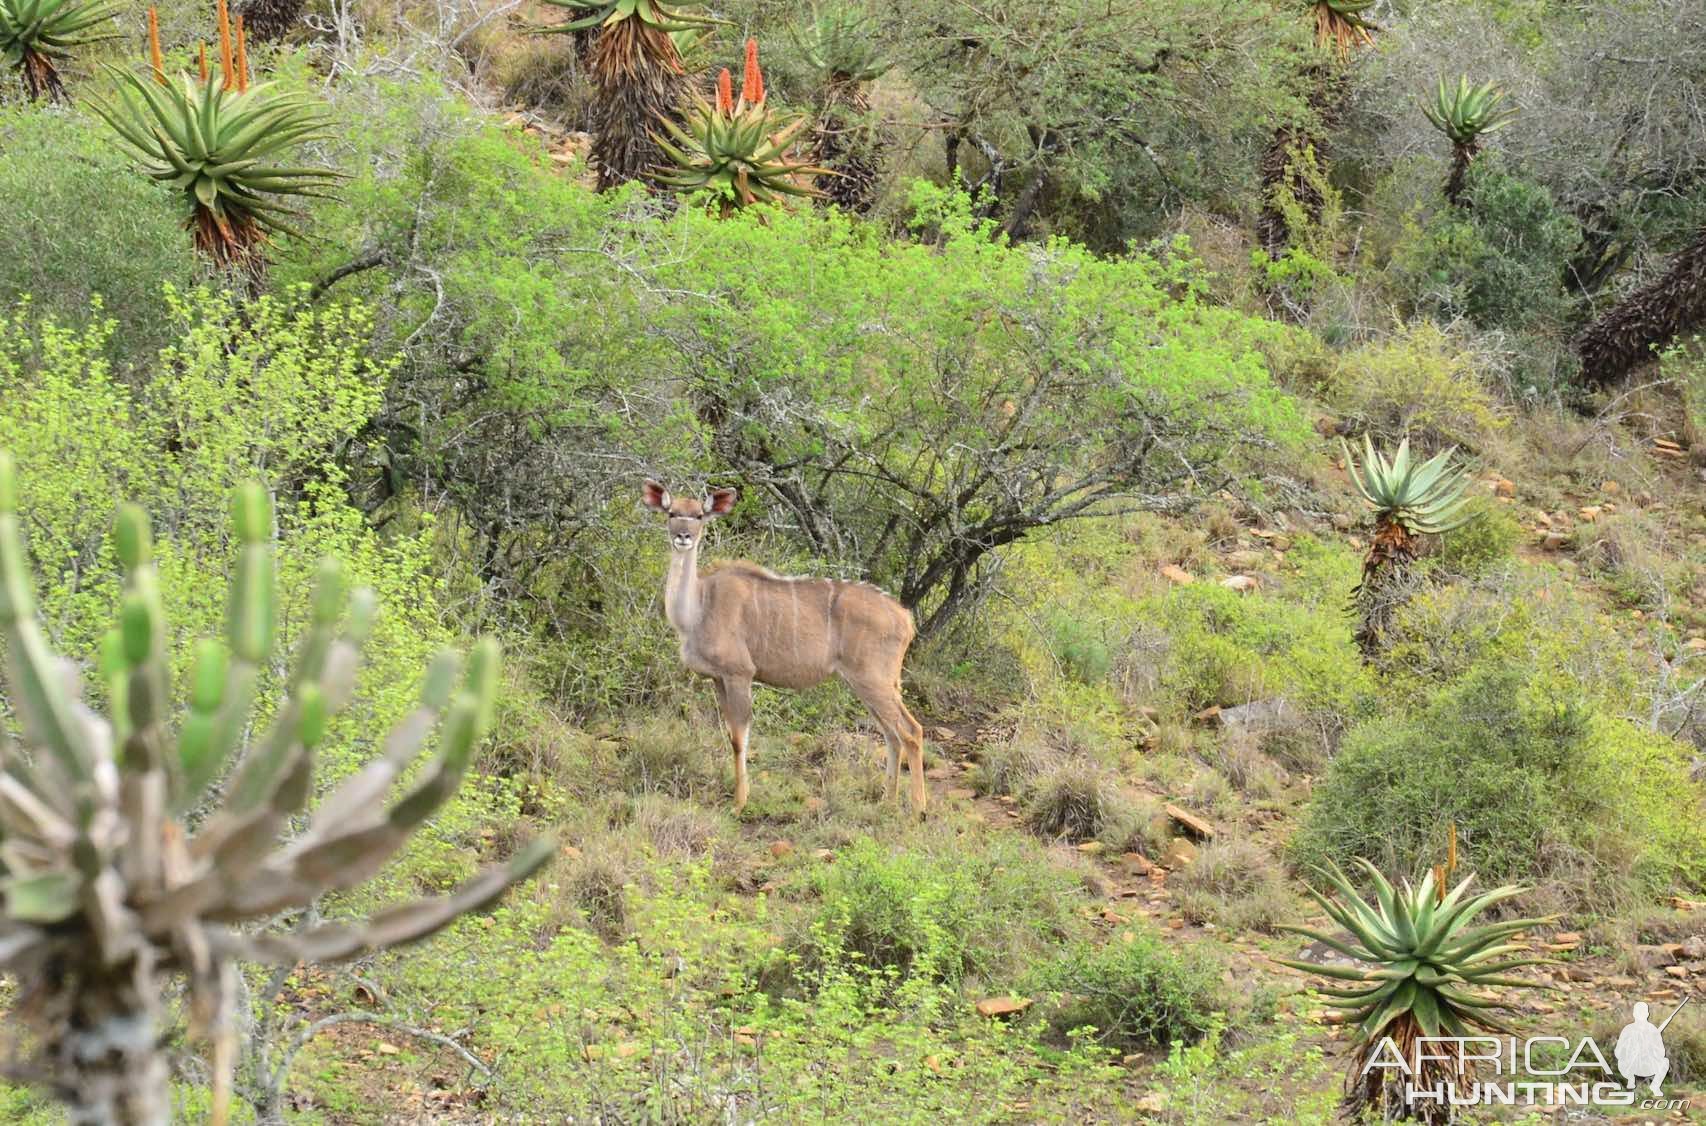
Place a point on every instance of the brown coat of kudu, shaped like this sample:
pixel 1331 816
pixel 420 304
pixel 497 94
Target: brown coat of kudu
pixel 741 623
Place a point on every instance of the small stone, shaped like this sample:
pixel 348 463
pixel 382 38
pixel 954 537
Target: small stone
pixel 779 849
pixel 1677 971
pixel 1177 575
pixel 1208 714
pixel 1610 488
pixel 1504 487
pixel 385 1048
pixel 1571 937
pixel 1342 521
pixel 1176 924
pixel 1002 1006
pixel 1280 543
pixel 960 793
pixel 1243 584
pixel 1589 514
pixel 826 855
pixel 1554 541
pixel 944 735
pixel 1091 848
pixel 1695 644
pixel 1180 853
pixel 1138 863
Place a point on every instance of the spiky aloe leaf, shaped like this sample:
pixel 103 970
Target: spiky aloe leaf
pixel 1425 498
pixel 35 34
pixel 1466 113
pixel 739 155
pixel 1415 955
pixel 219 147
pixel 841 44
pixel 606 13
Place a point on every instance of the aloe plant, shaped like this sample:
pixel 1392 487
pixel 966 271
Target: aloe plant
pixel 1416 964
pixel 1465 114
pixel 218 142
pixel 735 148
pixel 1410 498
pixel 37 35
pixel 105 891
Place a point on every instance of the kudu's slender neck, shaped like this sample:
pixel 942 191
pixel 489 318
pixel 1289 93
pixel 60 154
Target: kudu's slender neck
pixel 681 603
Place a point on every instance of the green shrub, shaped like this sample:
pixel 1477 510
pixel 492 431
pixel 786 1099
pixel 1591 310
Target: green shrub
pixel 1136 991
pixel 1227 648
pixel 81 225
pixel 1541 787
pixel 1500 260
pixel 904 915
pixel 1080 650
pixel 1419 383
pixel 1486 542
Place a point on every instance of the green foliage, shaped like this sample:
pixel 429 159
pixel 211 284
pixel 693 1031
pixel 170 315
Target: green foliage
pixel 1417 382
pixel 840 43
pixel 1526 772
pixel 81 226
pixel 1134 992
pixel 1501 261
pixel 1485 541
pixel 1227 648
pixel 899 916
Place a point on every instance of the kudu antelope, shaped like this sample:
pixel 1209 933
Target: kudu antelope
pixel 741 623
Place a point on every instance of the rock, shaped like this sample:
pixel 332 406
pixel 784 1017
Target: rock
pixel 1504 487
pixel 1155 1102
pixel 994 1007
pixel 1180 853
pixel 824 854
pixel 1245 559
pixel 1137 862
pixel 1176 924
pixel 1092 848
pixel 1589 514
pixel 944 735
pixel 960 793
pixel 1610 488
pixel 1208 714
pixel 1694 947
pixel 1243 584
pixel 1653 957
pixel 1554 541
pixel 1695 644
pixel 1196 825
pixel 1177 575
pixel 1280 543
pixel 1263 717
pixel 779 849
pixel 1099 885
pixel 1343 521
pixel 1677 971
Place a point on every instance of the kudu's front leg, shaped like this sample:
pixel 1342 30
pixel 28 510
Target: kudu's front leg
pixel 734 699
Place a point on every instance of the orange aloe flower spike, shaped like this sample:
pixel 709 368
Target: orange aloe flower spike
pixel 725 92
pixel 203 63
pixel 227 68
pixel 242 58
pixel 155 59
pixel 752 83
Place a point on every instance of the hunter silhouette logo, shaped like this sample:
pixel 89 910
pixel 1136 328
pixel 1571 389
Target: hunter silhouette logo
pixel 1641 1048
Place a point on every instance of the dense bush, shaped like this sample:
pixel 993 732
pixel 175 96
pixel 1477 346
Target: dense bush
pixel 1542 788
pixel 1420 383
pixel 908 915
pixel 1134 992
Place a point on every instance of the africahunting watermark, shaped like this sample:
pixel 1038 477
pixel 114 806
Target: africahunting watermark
pixel 1525 1071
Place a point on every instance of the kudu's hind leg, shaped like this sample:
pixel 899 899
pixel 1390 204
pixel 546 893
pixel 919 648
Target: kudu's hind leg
pixel 734 698
pixel 901 732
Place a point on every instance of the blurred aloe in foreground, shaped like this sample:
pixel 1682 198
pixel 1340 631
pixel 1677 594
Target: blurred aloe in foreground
pixel 103 891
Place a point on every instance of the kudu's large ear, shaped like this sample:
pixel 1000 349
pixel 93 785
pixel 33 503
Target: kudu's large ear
pixel 720 502
pixel 655 495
